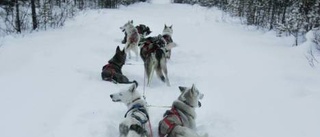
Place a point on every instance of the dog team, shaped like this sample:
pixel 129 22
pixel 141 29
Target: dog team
pixel 179 121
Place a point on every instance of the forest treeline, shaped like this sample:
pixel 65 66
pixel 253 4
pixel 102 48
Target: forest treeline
pixel 287 17
pixel 18 16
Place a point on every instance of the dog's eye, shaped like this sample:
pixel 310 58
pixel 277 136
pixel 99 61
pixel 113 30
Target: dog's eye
pixel 120 94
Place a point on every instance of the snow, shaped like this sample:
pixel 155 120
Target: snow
pixel 255 84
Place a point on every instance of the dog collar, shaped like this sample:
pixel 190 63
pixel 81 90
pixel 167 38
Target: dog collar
pixel 188 104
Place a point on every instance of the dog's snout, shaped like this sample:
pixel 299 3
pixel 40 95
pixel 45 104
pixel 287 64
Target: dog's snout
pixel 111 96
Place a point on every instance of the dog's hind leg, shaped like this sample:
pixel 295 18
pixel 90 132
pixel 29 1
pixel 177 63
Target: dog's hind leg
pixel 163 64
pixel 149 67
pixel 136 51
pixel 161 69
pixel 127 50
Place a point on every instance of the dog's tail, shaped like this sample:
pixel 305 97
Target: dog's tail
pixel 171 45
pixel 130 82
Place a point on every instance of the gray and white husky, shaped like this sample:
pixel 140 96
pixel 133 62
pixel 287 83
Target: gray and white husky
pixel 133 38
pixel 154 52
pixel 136 119
pixel 180 120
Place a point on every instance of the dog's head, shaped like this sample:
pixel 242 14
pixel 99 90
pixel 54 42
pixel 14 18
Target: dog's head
pixel 167 30
pixel 143 30
pixel 127 25
pixel 190 96
pixel 119 57
pixel 126 96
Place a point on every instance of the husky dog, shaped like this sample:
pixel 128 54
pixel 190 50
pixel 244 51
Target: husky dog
pixel 133 38
pixel 112 70
pixel 137 117
pixel 167 38
pixel 180 120
pixel 155 51
pixel 143 30
pixel 153 54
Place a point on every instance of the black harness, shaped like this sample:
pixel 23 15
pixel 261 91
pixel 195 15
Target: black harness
pixel 135 127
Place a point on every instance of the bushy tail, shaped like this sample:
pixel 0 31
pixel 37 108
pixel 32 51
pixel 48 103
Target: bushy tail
pixel 130 82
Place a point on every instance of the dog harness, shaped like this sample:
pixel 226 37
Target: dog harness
pixel 152 44
pixel 149 48
pixel 171 119
pixel 140 113
pixel 108 67
pixel 167 38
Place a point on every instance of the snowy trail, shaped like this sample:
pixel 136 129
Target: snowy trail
pixel 255 84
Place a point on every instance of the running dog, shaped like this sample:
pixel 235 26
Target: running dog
pixel 133 39
pixel 154 52
pixel 112 71
pixel 136 122
pixel 143 30
pixel 180 120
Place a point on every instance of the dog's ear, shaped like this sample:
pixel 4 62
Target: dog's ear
pixel 131 21
pixel 165 25
pixel 182 89
pixel 133 87
pixel 123 51
pixel 193 89
pixel 118 49
pixel 171 27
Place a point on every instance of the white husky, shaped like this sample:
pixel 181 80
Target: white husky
pixel 167 38
pixel 180 120
pixel 136 122
pixel 133 38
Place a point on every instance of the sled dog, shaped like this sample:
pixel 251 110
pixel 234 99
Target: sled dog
pixel 136 119
pixel 112 71
pixel 167 38
pixel 180 120
pixel 143 30
pixel 154 52
pixel 133 38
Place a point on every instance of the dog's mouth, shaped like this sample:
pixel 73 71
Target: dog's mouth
pixel 116 100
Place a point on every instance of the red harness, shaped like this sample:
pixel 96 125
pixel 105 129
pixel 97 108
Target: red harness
pixel 148 49
pixel 171 125
pixel 108 67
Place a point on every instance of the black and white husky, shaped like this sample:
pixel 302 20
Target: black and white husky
pixel 180 120
pixel 133 39
pixel 154 52
pixel 136 122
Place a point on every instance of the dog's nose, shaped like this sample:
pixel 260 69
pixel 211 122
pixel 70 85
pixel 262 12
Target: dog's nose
pixel 111 96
